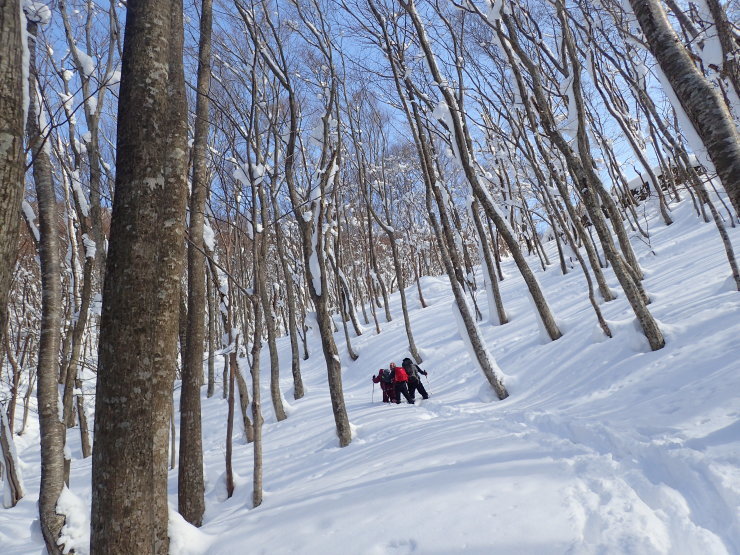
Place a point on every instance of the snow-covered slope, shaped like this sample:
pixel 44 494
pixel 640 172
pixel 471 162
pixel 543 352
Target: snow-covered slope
pixel 602 447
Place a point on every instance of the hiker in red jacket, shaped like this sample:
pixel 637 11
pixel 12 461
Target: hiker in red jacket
pixel 384 378
pixel 400 383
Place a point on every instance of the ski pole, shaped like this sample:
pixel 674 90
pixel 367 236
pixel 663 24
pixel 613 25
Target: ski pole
pixel 373 392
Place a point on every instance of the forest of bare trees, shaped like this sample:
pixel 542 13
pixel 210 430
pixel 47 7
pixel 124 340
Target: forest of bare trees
pixel 183 185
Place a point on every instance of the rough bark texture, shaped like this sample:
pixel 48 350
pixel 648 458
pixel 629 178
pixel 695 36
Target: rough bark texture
pixel 702 103
pixel 11 145
pixel 139 324
pixel 51 428
pixel 190 485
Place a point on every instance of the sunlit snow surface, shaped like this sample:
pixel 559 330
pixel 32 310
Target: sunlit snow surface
pixel 602 447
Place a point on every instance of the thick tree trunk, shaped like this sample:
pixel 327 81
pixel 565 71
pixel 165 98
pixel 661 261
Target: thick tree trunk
pixel 137 352
pixel 11 146
pixel 702 103
pixel 320 297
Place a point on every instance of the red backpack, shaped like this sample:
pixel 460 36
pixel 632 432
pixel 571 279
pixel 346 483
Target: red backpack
pixel 401 375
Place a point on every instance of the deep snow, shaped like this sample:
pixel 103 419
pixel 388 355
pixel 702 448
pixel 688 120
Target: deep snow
pixel 602 447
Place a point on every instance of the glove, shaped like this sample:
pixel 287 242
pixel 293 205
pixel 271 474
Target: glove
pixel 424 372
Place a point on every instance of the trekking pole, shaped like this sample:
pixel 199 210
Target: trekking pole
pixel 373 392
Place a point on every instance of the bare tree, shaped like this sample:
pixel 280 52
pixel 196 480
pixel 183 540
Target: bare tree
pixel 311 229
pixel 460 139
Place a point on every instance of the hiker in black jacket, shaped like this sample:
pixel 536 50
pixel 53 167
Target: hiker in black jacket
pixel 415 384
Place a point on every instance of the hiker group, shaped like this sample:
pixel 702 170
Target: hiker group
pixel 401 380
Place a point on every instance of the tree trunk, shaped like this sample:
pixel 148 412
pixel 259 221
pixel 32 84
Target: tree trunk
pixel 11 144
pixel 341 300
pixel 289 285
pixel 9 463
pixel 269 316
pixel 212 330
pixel 190 485
pixel 233 370
pixel 471 335
pixel 82 417
pixel 497 313
pixel 52 430
pixel 442 231
pixel 16 370
pixel 702 103
pixel 137 352
pixel 416 262
pixel 256 410
pixel 402 294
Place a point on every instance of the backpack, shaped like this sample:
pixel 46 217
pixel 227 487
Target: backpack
pixel 401 375
pixel 411 369
pixel 386 376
